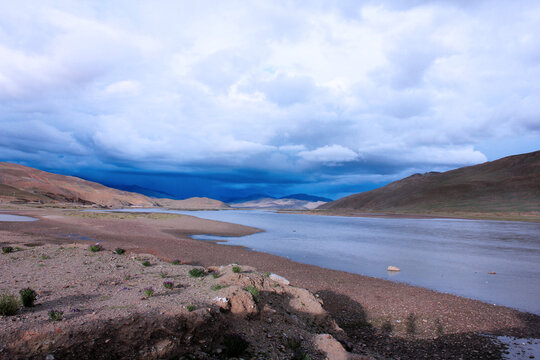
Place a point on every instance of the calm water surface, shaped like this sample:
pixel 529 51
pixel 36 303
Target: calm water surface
pixel 9 217
pixel 447 255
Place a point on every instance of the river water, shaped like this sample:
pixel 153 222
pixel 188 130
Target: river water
pixel 447 255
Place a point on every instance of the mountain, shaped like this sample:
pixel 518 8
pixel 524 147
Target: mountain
pixel 510 184
pixel 273 203
pixel 22 184
pixel 141 190
pixel 306 197
pixel 251 197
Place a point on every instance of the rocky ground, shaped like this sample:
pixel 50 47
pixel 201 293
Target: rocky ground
pixel 108 310
pixel 392 320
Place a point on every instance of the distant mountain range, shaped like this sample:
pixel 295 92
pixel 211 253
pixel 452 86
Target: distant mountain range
pixel 510 184
pixel 252 197
pixel 142 190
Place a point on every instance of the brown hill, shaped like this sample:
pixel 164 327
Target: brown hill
pixel 510 184
pixel 194 203
pixel 22 184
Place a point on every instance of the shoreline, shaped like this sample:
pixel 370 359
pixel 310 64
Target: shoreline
pixel 360 304
pixel 535 217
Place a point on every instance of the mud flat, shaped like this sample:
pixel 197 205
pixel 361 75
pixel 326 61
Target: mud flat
pixel 377 316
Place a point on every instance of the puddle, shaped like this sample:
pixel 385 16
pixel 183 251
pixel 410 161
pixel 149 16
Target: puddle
pixel 9 217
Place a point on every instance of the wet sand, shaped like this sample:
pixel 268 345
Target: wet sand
pixel 392 319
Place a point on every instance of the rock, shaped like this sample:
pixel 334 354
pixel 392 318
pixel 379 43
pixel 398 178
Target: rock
pixel 393 268
pixel 279 279
pixel 492 273
pixel 330 346
pixel 241 301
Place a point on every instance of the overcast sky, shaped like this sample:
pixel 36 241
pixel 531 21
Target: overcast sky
pixel 223 97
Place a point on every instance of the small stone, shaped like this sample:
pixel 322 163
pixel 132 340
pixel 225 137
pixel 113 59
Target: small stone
pixel 49 357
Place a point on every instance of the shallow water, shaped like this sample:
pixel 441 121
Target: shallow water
pixel 447 255
pixel 9 217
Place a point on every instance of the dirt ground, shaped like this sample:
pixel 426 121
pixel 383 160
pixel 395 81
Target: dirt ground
pixel 377 316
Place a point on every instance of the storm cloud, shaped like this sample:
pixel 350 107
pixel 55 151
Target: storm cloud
pixel 269 95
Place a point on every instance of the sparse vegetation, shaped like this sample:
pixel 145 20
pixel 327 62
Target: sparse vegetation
pixel 28 297
pixel 190 308
pixel 217 287
pixel 252 290
pixel 236 269
pixel 387 327
pixel 119 251
pixel 410 324
pixel 168 284
pixel 195 273
pixel 56 315
pixel 8 305
pixel 44 257
pixel 146 263
pixel 301 355
pixel 216 275
pixel 95 248
pixel 163 274
pixel 266 274
pixel 7 249
pixel 235 345
pixel 175 262
pixel 148 292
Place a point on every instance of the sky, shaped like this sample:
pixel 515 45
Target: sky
pixel 228 98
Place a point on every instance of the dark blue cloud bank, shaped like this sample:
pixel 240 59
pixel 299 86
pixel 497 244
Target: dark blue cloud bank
pixel 225 99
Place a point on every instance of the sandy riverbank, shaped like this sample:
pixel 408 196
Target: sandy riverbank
pixel 391 319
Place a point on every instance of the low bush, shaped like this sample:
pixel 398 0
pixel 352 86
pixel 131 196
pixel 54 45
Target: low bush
pixel 163 274
pixel 95 248
pixel 195 273
pixel 8 305
pixel 190 308
pixel 168 284
pixel 146 263
pixel 148 292
pixel 217 287
pixel 236 269
pixel 56 315
pixel 119 251
pixel 7 249
pixel 28 297
pixel 175 262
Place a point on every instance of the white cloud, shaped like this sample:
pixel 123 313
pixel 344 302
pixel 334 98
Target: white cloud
pixel 258 85
pixel 329 154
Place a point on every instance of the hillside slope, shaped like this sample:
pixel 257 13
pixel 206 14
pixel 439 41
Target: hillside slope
pixel 24 184
pixel 510 184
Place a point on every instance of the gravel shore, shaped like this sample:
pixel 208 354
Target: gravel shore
pixel 378 317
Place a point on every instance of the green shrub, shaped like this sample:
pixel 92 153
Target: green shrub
pixel 163 274
pixel 8 305
pixel 44 257
pixel 252 289
pixel 56 315
pixel 7 249
pixel 28 297
pixel 95 248
pixel 148 292
pixel 266 274
pixel 217 287
pixel 195 273
pixel 190 308
pixel 119 251
pixel 175 262
pixel 146 263
pixel 168 284
pixel 236 269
